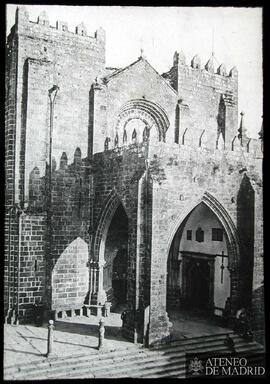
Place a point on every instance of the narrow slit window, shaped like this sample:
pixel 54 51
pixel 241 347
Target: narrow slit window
pixel 189 234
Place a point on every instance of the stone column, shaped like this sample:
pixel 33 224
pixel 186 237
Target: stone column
pixel 97 295
pixel 101 295
pixel 93 265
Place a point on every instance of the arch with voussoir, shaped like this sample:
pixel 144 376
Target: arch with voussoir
pixel 230 232
pixel 104 221
pixel 148 112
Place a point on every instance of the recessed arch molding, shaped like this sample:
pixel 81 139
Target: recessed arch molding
pixel 146 111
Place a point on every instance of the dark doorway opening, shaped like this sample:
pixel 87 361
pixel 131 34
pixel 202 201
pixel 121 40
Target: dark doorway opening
pixel 198 284
pixel 116 259
pixel 119 278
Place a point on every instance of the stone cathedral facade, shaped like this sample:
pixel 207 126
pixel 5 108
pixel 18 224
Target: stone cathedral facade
pixel 125 185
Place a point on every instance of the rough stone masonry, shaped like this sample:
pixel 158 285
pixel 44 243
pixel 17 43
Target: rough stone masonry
pixel 126 146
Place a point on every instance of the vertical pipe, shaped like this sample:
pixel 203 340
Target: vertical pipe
pixel 54 89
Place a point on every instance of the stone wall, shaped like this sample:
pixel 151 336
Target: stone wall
pixel 208 103
pixel 67 239
pixel 32 263
pixel 116 177
pixel 70 280
pixel 48 56
pixel 11 259
pixel 139 81
pixel 10 141
pixel 189 173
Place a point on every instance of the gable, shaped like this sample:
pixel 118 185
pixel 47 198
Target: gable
pixel 143 73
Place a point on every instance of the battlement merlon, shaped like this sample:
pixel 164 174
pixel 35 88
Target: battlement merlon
pixel 43 30
pixel 206 74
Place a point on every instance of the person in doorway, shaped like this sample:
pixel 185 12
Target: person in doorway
pixel 124 318
pixel 240 321
pixel 227 312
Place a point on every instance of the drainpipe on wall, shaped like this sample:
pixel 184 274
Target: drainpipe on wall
pixel 52 96
pixel 139 223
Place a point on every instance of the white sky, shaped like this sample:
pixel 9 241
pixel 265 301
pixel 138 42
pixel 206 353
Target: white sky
pixel 163 30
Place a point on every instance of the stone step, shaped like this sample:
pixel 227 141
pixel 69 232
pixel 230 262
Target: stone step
pixel 102 359
pixel 145 362
pixel 210 345
pixel 176 356
pixel 96 364
pixel 171 371
pixel 177 361
pixel 139 354
pixel 126 370
pixel 199 339
pixel 176 373
pixel 121 362
pixel 71 359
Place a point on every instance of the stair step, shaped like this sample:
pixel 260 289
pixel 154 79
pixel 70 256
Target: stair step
pixel 153 364
pixel 99 365
pixel 160 361
pixel 99 360
pixel 129 359
pixel 178 360
pixel 129 368
pixel 72 360
pixel 164 373
pixel 197 340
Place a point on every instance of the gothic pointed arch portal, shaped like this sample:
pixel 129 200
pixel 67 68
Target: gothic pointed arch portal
pixel 203 258
pixel 110 250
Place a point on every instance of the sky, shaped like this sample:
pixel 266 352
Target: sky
pixel 234 34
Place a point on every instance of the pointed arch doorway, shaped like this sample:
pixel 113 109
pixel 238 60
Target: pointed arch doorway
pixel 198 271
pixel 116 258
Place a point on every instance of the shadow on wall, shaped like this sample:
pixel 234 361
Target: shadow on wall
pixel 245 226
pixel 70 278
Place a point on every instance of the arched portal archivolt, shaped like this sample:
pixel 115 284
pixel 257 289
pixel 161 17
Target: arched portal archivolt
pixel 104 221
pixel 148 112
pixel 230 230
pixel 231 236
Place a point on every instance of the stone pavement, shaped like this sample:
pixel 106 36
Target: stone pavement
pixel 72 337
pixel 79 336
pixel 187 324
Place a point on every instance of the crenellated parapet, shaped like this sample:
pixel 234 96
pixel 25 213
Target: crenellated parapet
pixel 42 26
pixel 197 69
pixel 39 56
pixel 211 97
